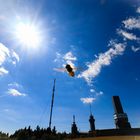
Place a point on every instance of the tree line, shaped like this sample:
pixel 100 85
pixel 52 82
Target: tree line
pixel 38 134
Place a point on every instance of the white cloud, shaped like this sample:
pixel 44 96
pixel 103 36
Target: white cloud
pixel 103 59
pixel 14 58
pixel 69 56
pixel 88 100
pixel 58 57
pixel 70 63
pixel 132 23
pixel 134 49
pixel 96 93
pixel 99 93
pixel 15 55
pixel 138 10
pixel 14 85
pixel 4 53
pixel 15 92
pixel 7 55
pixel 127 35
pixel 92 90
pixel 3 71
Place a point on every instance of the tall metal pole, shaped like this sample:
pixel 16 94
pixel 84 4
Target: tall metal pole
pixel 52 104
pixel 73 118
pixel 90 108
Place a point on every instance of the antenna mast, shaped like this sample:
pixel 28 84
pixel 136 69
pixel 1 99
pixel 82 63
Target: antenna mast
pixel 52 104
pixel 90 108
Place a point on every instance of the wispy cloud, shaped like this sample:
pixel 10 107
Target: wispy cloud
pixel 92 90
pixel 15 57
pixel 14 85
pixel 138 10
pixel 7 55
pixel 127 35
pixel 96 93
pixel 99 93
pixel 135 49
pixel 88 100
pixel 3 71
pixel 4 53
pixel 4 95
pixel 67 58
pixel 15 92
pixel 70 58
pixel 132 23
pixel 104 59
pixel 58 58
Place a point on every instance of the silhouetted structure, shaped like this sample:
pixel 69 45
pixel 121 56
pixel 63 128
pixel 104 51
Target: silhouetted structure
pixel 91 121
pixel 52 105
pixel 121 119
pixel 74 130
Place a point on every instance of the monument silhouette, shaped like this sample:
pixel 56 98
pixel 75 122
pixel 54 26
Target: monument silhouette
pixel 74 130
pixel 120 118
pixel 91 121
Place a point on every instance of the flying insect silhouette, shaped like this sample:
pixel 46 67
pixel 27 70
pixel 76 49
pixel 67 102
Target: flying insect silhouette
pixel 68 68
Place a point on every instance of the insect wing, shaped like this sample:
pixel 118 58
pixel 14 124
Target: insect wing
pixel 60 69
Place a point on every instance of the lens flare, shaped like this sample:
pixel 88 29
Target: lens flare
pixel 28 35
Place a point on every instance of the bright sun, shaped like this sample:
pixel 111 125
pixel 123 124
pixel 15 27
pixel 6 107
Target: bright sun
pixel 28 35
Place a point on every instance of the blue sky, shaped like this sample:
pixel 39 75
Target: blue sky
pixel 99 37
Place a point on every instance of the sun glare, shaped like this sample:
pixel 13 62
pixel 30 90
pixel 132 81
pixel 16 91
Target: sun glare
pixel 28 35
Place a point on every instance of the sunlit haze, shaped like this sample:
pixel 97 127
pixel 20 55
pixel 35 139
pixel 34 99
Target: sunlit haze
pixel 28 35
